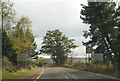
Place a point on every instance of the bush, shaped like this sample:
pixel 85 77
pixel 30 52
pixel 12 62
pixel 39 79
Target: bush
pixel 7 65
pixel 44 61
pixel 97 68
pixel 5 61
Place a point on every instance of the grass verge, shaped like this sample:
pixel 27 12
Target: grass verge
pixel 109 72
pixel 99 69
pixel 14 75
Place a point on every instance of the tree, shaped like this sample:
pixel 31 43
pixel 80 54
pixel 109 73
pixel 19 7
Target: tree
pixel 118 37
pixel 40 60
pixel 17 35
pixel 101 18
pixel 7 47
pixel 22 36
pixel 57 45
pixel 103 31
pixel 7 15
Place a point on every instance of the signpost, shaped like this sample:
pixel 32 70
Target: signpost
pixel 97 57
pixel 88 50
pixel 22 57
pixel 30 52
pixel 25 58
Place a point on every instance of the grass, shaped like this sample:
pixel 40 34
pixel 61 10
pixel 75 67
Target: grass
pixel 14 75
pixel 99 68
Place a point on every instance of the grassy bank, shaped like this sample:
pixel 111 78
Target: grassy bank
pixel 95 68
pixel 14 75
pixel 109 72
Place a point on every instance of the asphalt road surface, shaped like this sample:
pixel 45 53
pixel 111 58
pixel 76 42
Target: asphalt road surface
pixel 67 73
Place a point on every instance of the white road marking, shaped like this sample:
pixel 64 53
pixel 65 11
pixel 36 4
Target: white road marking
pixel 93 73
pixel 70 75
pixel 71 70
pixel 39 76
pixel 73 77
pixel 64 75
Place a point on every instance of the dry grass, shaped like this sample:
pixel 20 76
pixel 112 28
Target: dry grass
pixel 96 68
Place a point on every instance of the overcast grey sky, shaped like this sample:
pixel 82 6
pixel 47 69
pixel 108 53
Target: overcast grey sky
pixel 54 14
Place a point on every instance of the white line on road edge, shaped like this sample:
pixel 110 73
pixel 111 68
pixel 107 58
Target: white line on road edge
pixel 107 76
pixel 39 75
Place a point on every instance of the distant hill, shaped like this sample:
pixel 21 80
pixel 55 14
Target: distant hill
pixel 75 59
pixel 81 59
pixel 50 60
pixel 48 57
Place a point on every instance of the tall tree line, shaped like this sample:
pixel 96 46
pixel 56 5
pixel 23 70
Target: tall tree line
pixel 104 30
pixel 17 36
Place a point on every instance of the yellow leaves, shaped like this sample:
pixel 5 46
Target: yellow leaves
pixel 22 37
pixel 41 59
pixel 21 45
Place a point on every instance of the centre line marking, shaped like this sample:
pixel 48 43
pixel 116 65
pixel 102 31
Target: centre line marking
pixel 66 77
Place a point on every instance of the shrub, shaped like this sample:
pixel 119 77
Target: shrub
pixel 97 68
pixel 5 60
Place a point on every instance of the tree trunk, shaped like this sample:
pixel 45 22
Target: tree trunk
pixel 2 16
pixel 118 65
pixel 71 61
pixel 104 58
pixel 57 61
pixel 111 58
pixel 111 46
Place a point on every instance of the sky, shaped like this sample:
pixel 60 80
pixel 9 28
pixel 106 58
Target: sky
pixel 54 14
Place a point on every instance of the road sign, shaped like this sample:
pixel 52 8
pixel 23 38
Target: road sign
pixel 97 57
pixel 22 57
pixel 88 50
pixel 30 51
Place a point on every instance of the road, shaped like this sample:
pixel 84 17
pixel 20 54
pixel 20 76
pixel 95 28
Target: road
pixel 67 73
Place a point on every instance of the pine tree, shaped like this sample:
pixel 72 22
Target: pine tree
pixel 102 20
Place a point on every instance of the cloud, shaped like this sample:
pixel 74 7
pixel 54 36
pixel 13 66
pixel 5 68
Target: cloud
pixel 38 42
pixel 54 14
pixel 79 52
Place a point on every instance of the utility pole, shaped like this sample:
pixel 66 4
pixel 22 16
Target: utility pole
pixel 86 54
